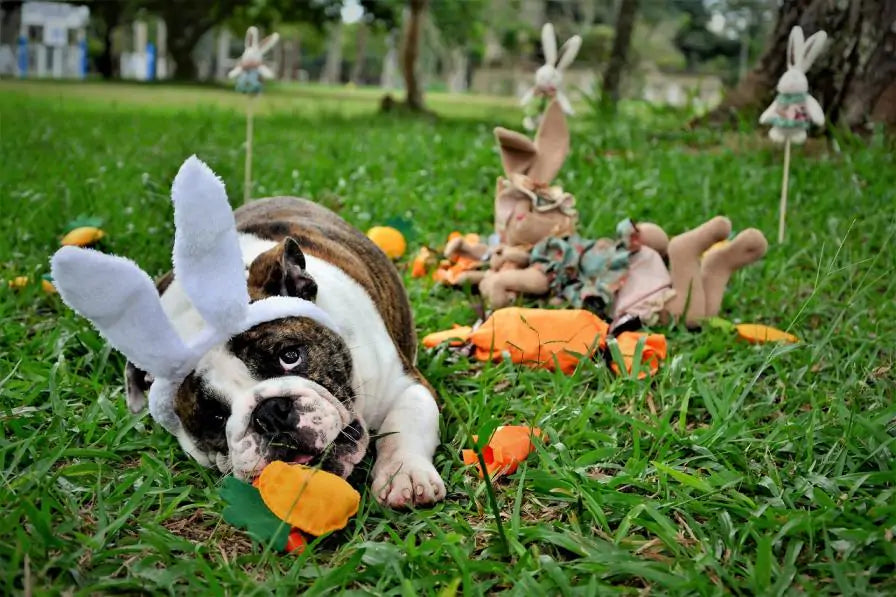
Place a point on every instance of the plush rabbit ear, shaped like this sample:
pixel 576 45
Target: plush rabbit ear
pixel 123 304
pixel 811 49
pixel 207 257
pixel 795 46
pixel 568 51
pixel 549 44
pixel 251 37
pixel 552 142
pixel 269 42
pixel 517 151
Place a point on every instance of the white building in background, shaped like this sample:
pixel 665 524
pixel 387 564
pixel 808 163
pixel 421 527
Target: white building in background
pixel 146 60
pixel 51 41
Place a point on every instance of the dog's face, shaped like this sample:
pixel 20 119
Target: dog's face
pixel 279 391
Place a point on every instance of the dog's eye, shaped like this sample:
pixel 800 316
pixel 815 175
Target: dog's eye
pixel 290 358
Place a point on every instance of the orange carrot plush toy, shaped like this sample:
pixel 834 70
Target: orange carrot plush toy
pixel 508 446
pixel 287 500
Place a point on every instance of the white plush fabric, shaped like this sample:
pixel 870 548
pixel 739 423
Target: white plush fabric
pixel 122 303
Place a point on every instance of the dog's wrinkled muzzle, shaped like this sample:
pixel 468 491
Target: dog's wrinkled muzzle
pixel 286 408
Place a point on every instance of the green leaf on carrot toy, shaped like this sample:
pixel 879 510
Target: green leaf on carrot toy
pixel 403 225
pixel 83 221
pixel 246 510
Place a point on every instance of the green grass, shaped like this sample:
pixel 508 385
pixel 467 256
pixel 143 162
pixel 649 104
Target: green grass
pixel 742 469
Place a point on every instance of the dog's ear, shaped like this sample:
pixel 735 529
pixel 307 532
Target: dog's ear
pixel 281 272
pixel 136 384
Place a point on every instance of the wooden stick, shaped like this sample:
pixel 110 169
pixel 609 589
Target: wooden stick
pixel 247 183
pixel 782 209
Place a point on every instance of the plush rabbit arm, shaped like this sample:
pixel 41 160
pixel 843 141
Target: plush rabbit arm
pixel 769 114
pixel 816 113
pixel 235 72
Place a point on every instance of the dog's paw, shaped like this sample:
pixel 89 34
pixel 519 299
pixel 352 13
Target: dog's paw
pixel 403 481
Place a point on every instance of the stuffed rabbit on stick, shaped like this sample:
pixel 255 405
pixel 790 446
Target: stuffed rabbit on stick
pixel 549 77
pixel 794 110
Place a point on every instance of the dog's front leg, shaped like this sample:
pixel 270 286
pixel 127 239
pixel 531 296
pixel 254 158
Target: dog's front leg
pixel 403 474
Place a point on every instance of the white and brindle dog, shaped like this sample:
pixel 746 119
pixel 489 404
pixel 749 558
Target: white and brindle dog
pixel 292 388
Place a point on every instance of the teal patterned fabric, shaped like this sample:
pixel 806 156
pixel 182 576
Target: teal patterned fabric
pixel 790 98
pixel 249 82
pixel 586 273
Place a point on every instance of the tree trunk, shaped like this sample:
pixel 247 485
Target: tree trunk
pixel 105 62
pixel 856 68
pixel 410 52
pixel 625 23
pixel 332 72
pixel 357 76
pixel 181 49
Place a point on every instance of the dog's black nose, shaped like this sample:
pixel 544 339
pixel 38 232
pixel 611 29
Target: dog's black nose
pixel 272 415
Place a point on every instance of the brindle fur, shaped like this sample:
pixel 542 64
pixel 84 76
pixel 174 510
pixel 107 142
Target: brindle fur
pixel 325 235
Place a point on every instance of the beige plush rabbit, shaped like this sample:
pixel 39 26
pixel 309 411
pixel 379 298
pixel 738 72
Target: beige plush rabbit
pixel 793 109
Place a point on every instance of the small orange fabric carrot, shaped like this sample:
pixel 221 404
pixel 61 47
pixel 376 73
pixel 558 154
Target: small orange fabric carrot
pixel 653 351
pixel 506 449
pixel 757 333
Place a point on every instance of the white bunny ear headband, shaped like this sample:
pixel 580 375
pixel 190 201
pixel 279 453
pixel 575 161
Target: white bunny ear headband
pixel 122 303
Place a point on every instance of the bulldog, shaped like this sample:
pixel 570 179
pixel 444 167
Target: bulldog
pixel 302 389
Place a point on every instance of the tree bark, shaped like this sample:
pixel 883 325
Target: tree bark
pixel 110 13
pixel 625 23
pixel 332 71
pixel 360 55
pixel 857 66
pixel 410 52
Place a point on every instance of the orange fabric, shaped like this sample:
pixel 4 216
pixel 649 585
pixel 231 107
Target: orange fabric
pixel 756 333
pixel 311 500
pixel 508 446
pixel 652 353
pixel 448 272
pixel 456 336
pixel 419 265
pixel 540 337
pixel 549 338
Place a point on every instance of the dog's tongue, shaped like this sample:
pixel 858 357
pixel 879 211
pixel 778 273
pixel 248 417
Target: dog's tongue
pixel 302 459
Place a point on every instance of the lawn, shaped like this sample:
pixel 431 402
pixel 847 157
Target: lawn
pixel 738 468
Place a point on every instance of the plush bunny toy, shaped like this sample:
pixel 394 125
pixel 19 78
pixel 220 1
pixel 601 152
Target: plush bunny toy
pixel 528 209
pixel 549 77
pixel 793 109
pixel 250 68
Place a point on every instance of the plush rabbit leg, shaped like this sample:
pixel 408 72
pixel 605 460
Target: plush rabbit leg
pixel 654 237
pixel 501 288
pixel 685 251
pixel 459 247
pixel 718 265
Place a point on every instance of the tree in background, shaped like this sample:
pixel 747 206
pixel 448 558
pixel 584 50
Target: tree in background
pixel 855 79
pixel 625 23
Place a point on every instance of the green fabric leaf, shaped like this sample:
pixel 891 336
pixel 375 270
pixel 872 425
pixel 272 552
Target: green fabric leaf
pixel 82 221
pixel 403 225
pixel 246 510
pixel 720 324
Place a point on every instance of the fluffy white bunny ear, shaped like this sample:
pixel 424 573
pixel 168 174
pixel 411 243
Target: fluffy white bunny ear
pixel 269 42
pixel 207 258
pixel 568 51
pixel 811 49
pixel 795 46
pixel 122 303
pixel 549 44
pixel 252 37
